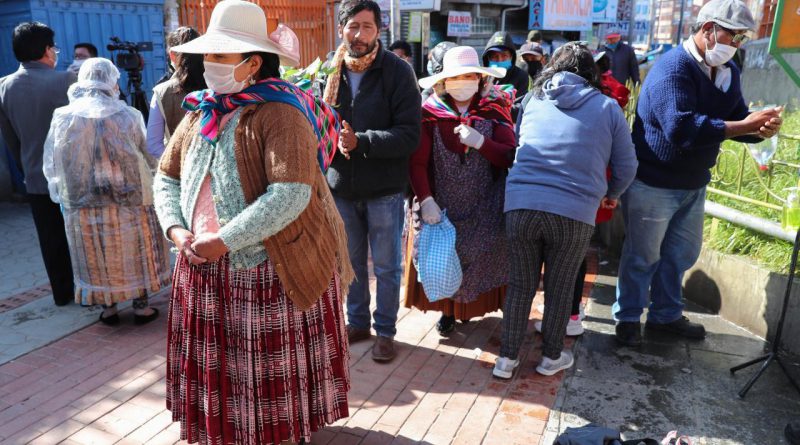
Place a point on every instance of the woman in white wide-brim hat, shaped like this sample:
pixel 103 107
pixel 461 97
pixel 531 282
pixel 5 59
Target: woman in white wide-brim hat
pixel 466 146
pixel 257 351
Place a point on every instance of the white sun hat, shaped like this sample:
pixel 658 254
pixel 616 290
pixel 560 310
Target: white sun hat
pixel 461 60
pixel 238 27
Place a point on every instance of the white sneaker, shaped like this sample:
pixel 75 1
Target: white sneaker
pixel 574 327
pixel 504 367
pixel 581 310
pixel 551 367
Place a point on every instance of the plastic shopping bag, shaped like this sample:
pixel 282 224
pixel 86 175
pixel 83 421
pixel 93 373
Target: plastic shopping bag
pixel 438 266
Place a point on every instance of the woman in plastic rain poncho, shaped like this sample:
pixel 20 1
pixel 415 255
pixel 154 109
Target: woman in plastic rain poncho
pixel 98 169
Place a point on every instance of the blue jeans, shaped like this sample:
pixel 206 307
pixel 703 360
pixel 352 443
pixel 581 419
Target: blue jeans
pixel 374 225
pixel 663 237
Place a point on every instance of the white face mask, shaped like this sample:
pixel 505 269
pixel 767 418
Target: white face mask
pixel 76 65
pixel 461 90
pixel 720 53
pixel 55 56
pixel 220 77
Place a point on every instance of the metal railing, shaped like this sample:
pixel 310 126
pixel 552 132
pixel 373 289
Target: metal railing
pixel 312 20
pixel 737 176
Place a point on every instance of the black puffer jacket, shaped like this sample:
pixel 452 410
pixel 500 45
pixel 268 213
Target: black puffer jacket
pixel 515 76
pixel 386 116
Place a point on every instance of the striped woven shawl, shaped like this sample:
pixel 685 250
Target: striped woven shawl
pixel 322 118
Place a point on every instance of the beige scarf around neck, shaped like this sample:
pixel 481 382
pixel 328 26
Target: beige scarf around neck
pixel 356 65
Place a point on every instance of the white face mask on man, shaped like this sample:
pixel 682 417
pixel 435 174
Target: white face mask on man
pixel 720 53
pixel 220 77
pixel 461 90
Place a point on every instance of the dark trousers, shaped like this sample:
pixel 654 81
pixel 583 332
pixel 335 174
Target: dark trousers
pixel 560 243
pixel 53 244
pixel 577 296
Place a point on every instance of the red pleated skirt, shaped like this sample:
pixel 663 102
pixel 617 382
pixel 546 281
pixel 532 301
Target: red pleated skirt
pixel 244 365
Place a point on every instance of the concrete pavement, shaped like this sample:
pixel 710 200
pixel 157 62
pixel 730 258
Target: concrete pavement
pixel 86 383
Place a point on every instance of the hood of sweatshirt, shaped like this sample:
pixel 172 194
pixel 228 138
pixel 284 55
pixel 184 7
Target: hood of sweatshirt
pixel 568 90
pixel 503 40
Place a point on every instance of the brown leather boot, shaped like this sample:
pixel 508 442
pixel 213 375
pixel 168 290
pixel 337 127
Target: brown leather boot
pixel 383 350
pixel 355 335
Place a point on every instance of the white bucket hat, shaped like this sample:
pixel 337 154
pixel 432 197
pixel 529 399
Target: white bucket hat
pixel 461 60
pixel 238 27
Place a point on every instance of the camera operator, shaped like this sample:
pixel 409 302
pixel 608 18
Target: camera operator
pixel 81 52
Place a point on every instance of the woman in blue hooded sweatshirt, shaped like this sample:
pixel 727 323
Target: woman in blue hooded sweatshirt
pixel 569 134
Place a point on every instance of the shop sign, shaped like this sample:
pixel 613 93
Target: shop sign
pixel 459 24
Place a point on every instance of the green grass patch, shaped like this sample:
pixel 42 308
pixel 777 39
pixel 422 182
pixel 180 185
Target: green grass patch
pixel 735 160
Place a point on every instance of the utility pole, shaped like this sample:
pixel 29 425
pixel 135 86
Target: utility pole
pixel 655 18
pixel 632 22
pixel 680 23
pixel 394 14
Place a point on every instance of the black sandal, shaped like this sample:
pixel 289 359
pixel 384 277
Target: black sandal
pixel 109 321
pixel 144 319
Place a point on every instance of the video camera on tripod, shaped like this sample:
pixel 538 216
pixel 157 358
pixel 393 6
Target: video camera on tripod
pixel 130 59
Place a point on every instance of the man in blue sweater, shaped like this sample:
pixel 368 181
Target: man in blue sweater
pixel 690 102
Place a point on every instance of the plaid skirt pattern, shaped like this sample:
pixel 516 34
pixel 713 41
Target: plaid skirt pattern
pixel 244 365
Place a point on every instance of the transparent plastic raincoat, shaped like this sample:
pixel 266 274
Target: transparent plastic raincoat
pixel 97 167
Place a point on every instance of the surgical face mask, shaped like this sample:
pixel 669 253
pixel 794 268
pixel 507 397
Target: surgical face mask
pixel 461 90
pixel 430 67
pixel 76 65
pixel 220 77
pixel 505 64
pixel 720 53
pixel 55 55
pixel 612 46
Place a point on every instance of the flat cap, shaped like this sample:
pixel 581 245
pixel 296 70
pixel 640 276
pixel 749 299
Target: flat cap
pixel 731 14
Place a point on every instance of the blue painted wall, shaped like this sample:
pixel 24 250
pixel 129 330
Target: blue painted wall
pixel 93 21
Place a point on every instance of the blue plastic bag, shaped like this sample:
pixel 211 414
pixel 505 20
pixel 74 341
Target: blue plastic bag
pixel 438 267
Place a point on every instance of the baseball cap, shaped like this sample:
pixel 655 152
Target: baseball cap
pixel 531 48
pixel 613 32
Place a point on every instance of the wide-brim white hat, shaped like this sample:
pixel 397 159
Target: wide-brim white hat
pixel 461 60
pixel 238 27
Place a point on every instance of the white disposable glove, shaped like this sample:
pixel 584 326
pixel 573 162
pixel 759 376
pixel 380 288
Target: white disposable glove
pixel 430 211
pixel 469 136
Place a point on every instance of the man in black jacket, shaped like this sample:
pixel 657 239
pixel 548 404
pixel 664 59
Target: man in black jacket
pixel 624 65
pixel 377 98
pixel 500 52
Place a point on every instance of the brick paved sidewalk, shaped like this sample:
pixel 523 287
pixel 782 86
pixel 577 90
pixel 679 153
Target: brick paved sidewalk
pixel 104 385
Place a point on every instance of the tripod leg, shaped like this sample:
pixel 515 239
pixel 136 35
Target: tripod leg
pixel 750 363
pixel 788 376
pixel 755 377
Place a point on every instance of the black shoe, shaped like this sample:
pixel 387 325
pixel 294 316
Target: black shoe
pixel 110 321
pixel 144 319
pixel 446 325
pixel 64 302
pixel 681 326
pixel 629 333
pixel 792 433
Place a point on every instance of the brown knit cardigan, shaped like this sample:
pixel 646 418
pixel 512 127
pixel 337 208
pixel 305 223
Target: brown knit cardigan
pixel 275 143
